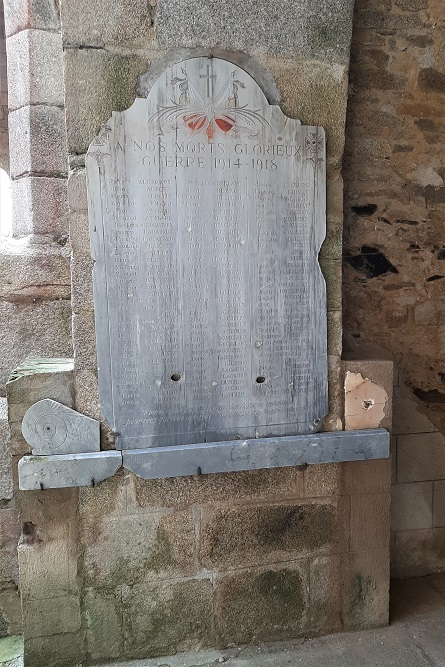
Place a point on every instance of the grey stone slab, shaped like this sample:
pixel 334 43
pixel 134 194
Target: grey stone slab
pixel 37 140
pixel 35 69
pixel 207 213
pixel 39 206
pixel 258 453
pixel 303 28
pixel 52 428
pixel 56 472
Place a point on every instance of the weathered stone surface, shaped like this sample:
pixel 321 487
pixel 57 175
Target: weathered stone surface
pixel 419 552
pixel 334 421
pixel 316 30
pixel 439 504
pixel 254 535
pixel 430 79
pixel 31 271
pixel 80 244
pixel 81 272
pixel 103 614
pixel 39 207
pixel 107 499
pixel 331 269
pixel 33 329
pixel 96 83
pixel 334 334
pixel 67 470
pixel 243 276
pixel 260 485
pixel 126 23
pixel 131 549
pixel 412 5
pixel 55 650
pixel 55 616
pixel 325 594
pixel 369 522
pixel 84 340
pixel 10 610
pixel 48 549
pixel 24 14
pixel 77 191
pixel 420 457
pixel 87 394
pixel 272 603
pixel 407 417
pixel 412 506
pixel 5 454
pixel 366 477
pixel 366 589
pixel 394 140
pixel 35 71
pixel 32 381
pixel 9 537
pixel 322 480
pixel 37 141
pixel 316 92
pixel 160 618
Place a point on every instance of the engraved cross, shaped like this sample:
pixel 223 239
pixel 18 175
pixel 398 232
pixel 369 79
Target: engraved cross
pixel 209 78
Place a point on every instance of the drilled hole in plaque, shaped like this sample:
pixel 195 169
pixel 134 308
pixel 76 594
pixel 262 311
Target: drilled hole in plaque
pixel 176 377
pixel 260 379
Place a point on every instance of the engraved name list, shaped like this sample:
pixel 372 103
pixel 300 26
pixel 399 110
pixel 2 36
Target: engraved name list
pixel 207 213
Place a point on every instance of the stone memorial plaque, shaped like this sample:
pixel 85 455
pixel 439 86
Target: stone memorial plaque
pixel 207 213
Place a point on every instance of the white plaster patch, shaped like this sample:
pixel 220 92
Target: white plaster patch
pixel 365 402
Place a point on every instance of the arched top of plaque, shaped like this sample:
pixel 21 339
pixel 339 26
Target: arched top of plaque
pixel 207 213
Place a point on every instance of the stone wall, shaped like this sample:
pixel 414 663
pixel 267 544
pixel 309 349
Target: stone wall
pixel 417 494
pixel 133 568
pixel 394 249
pixel 35 314
pixel 394 193
pixel 4 148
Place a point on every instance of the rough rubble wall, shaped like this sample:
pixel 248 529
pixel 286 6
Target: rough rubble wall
pixel 394 246
pixel 394 250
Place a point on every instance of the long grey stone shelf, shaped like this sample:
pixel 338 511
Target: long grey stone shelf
pixel 259 453
pixel 58 471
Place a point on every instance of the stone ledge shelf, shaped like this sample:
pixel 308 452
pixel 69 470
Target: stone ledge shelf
pixel 62 470
pixel 58 471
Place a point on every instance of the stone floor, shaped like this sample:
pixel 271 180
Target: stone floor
pixel 415 638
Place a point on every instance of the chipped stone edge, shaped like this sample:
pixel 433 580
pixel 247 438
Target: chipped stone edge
pixel 88 469
pixel 236 455
pixel 67 470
